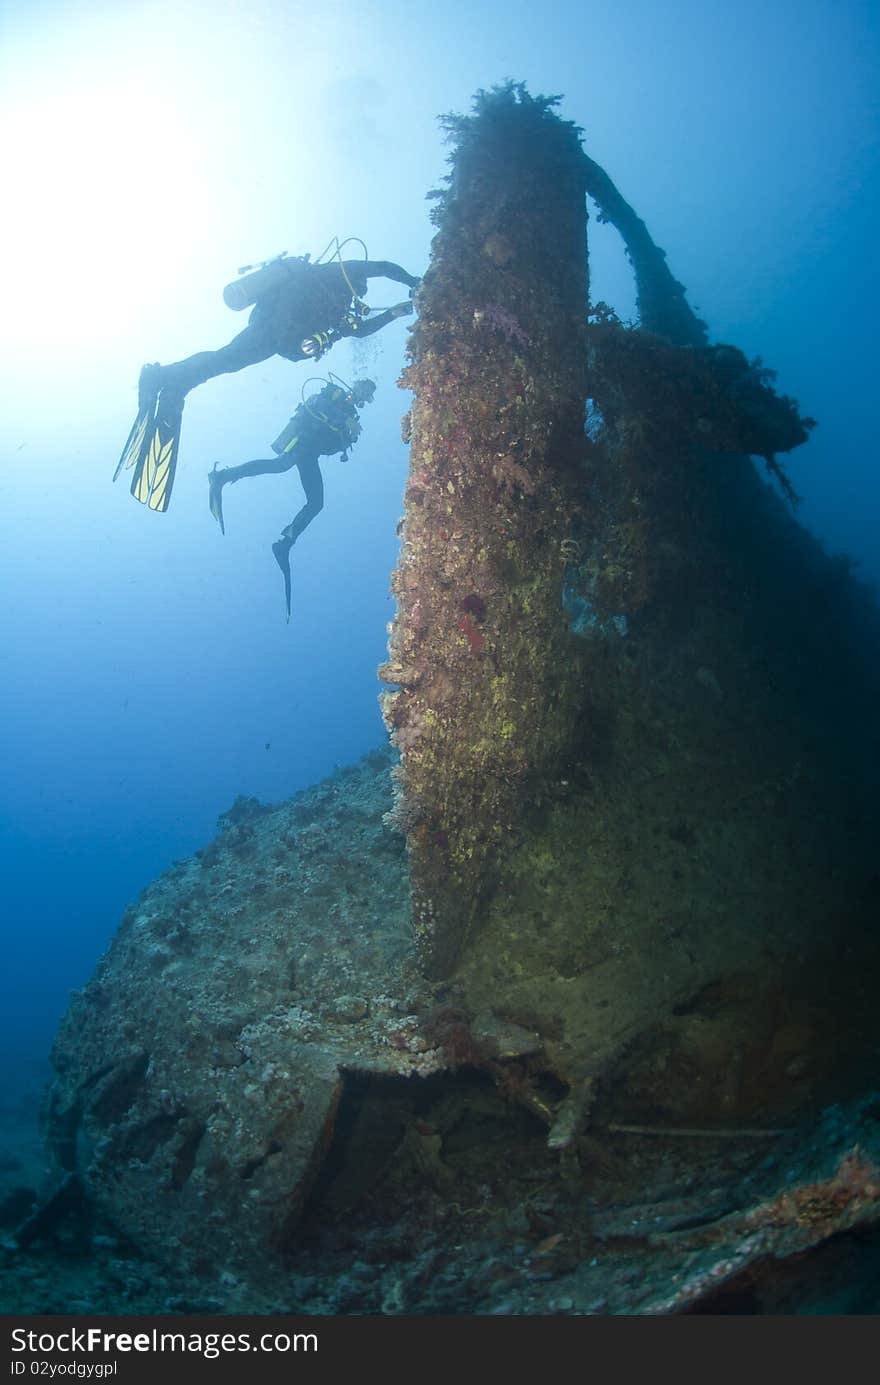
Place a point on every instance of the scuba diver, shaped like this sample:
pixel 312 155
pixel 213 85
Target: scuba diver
pixel 324 425
pixel 300 310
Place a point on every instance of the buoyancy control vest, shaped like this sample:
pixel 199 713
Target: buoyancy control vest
pixel 326 424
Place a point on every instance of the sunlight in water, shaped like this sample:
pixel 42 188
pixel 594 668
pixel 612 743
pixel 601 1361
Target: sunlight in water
pixel 107 192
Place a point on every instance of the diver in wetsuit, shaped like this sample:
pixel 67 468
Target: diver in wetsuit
pixel 300 310
pixel 323 426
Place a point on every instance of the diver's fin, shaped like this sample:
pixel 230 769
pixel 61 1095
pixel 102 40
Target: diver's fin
pixel 135 447
pixel 157 462
pixel 137 439
pixel 215 496
pixel 281 549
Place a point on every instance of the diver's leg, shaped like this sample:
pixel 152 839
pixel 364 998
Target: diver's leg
pixel 223 476
pixel 248 348
pixel 268 466
pixel 313 485
pixel 152 446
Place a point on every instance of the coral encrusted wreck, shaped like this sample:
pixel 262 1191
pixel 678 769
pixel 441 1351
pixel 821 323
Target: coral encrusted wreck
pixel 634 705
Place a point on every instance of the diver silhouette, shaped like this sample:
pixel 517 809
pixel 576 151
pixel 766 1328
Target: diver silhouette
pixel 325 425
pixel 300 310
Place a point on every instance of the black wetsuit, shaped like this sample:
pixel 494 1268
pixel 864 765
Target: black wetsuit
pixel 328 424
pixel 315 299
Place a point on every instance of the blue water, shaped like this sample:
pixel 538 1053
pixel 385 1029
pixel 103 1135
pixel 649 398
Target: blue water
pixel 147 676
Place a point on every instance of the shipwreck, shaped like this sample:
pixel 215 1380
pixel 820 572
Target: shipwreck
pixel 577 963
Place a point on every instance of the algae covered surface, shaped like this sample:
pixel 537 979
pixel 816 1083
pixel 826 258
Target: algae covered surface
pixel 486 691
pixel 337 1135
pixel 334 1135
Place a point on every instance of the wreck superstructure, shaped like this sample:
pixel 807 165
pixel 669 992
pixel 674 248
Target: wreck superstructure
pixel 486 691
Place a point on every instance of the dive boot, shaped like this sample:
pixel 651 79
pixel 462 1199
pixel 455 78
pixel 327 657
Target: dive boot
pixel 215 495
pixel 281 549
pixel 149 385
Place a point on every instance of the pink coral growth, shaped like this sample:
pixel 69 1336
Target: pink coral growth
pixel 474 636
pixel 500 320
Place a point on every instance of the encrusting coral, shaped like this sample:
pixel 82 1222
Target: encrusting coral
pixel 499 377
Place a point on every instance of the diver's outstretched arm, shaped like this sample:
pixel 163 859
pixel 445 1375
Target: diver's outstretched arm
pixel 381 269
pixel 365 327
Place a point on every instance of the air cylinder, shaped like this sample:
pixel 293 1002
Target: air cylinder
pixel 241 293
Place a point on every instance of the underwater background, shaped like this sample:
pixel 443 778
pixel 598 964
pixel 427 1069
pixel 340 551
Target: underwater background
pixel 147 675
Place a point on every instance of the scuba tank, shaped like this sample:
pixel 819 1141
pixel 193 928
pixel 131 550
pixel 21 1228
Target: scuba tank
pixel 260 279
pixel 287 436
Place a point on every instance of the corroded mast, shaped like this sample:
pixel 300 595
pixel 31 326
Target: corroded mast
pixel 485 689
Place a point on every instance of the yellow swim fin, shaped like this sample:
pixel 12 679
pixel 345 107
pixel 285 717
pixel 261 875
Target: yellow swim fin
pixel 156 463
pixel 148 397
pixel 136 442
pixel 152 445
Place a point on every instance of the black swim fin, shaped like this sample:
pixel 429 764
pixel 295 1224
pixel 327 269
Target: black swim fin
pixel 281 550
pixel 215 496
pixel 156 461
